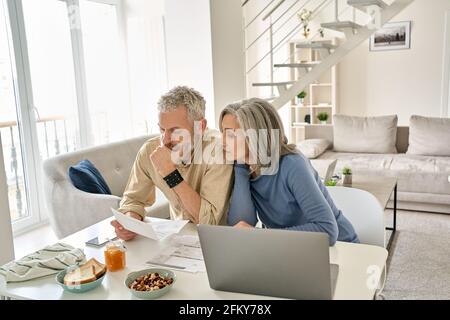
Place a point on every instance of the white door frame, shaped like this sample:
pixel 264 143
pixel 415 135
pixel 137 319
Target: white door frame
pixel 6 238
pixel 445 100
pixel 25 109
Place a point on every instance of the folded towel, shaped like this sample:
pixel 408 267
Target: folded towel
pixel 44 262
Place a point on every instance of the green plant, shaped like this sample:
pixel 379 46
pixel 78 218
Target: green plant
pixel 302 95
pixel 323 116
pixel 346 171
pixel 331 183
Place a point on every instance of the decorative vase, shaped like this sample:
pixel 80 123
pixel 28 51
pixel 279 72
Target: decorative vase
pixel 306 32
pixel 323 122
pixel 347 182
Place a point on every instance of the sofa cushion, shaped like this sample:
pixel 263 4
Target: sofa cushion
pixel 365 134
pixel 313 148
pixel 419 174
pixel 87 178
pixel 429 136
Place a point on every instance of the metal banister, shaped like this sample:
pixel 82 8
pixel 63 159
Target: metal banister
pixel 273 10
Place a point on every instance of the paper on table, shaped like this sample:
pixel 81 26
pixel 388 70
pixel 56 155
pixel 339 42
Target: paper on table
pixel 157 230
pixel 183 254
pixel 173 261
pixel 188 252
pixel 185 240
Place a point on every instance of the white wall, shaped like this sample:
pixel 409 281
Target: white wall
pixel 189 48
pixel 402 82
pixel 228 53
pixel 446 69
pixel 204 46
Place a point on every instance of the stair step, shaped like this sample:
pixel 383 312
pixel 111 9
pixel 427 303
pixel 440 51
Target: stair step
pixel 273 84
pixel 340 25
pixel 362 4
pixel 297 65
pixel 315 45
pixel 270 99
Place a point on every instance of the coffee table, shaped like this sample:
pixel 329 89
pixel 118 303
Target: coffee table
pixel 382 188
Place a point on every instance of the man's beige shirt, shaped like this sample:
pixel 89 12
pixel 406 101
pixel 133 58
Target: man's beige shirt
pixel 212 182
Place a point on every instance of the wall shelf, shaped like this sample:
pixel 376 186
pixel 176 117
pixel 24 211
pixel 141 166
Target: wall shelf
pixel 321 95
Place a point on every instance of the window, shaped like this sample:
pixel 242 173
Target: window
pixel 69 87
pixel 106 73
pixel 9 129
pixel 52 76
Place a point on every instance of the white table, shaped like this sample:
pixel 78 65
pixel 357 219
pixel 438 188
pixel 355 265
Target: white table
pixel 354 262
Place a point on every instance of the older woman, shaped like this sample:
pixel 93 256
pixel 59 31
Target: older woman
pixel 285 192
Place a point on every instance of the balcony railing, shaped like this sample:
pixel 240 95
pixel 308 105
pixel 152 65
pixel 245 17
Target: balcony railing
pixel 55 135
pixel 53 139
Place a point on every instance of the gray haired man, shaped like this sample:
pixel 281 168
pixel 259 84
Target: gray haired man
pixel 198 192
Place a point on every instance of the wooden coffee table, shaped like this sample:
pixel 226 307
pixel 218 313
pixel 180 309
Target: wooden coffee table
pixel 382 188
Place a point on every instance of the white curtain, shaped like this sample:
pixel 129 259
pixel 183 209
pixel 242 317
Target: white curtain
pixel 146 50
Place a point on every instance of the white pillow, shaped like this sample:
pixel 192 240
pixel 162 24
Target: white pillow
pixel 429 136
pixel 365 134
pixel 313 148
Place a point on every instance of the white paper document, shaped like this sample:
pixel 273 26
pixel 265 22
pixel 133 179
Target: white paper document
pixel 185 240
pixel 183 254
pixel 157 229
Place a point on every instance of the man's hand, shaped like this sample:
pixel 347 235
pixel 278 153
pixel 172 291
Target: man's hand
pixel 243 224
pixel 162 161
pixel 123 233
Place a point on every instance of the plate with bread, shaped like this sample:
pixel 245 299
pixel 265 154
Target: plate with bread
pixel 82 278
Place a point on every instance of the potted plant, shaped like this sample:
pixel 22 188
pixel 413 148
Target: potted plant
pixel 347 174
pixel 301 98
pixel 323 117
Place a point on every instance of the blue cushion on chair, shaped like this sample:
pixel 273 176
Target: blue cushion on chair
pixel 86 177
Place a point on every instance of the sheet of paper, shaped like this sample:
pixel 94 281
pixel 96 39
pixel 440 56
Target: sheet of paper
pixel 156 230
pixel 164 228
pixel 183 254
pixel 178 263
pixel 188 252
pixel 189 241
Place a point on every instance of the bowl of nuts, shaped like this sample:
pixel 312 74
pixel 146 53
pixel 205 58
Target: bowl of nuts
pixel 150 283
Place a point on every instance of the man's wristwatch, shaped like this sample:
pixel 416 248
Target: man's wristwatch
pixel 173 179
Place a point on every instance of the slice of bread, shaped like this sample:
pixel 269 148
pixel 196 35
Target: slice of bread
pixel 88 272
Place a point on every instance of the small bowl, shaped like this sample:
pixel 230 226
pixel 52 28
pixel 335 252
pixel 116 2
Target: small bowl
pixel 79 288
pixel 164 273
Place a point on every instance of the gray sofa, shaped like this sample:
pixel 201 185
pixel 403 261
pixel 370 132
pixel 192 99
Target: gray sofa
pixel 423 181
pixel 70 209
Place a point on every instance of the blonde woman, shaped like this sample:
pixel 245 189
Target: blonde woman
pixel 292 196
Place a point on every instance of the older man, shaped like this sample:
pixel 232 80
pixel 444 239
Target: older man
pixel 198 191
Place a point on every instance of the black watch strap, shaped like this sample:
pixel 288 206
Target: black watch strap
pixel 173 179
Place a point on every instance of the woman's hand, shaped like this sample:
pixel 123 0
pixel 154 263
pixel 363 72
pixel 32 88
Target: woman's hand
pixel 243 224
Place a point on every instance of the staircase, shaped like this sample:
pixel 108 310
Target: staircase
pixel 352 34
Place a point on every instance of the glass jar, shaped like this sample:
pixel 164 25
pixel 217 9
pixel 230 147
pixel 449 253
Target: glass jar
pixel 115 256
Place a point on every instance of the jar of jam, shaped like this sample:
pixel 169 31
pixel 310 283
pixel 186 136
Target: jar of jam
pixel 115 256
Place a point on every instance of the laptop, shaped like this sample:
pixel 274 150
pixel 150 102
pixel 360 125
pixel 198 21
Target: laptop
pixel 269 262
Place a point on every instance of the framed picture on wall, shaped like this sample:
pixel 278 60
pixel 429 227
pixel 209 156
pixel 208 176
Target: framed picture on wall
pixel 393 36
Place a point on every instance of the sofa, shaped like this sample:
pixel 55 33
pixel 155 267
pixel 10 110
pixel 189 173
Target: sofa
pixel 423 180
pixel 70 209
